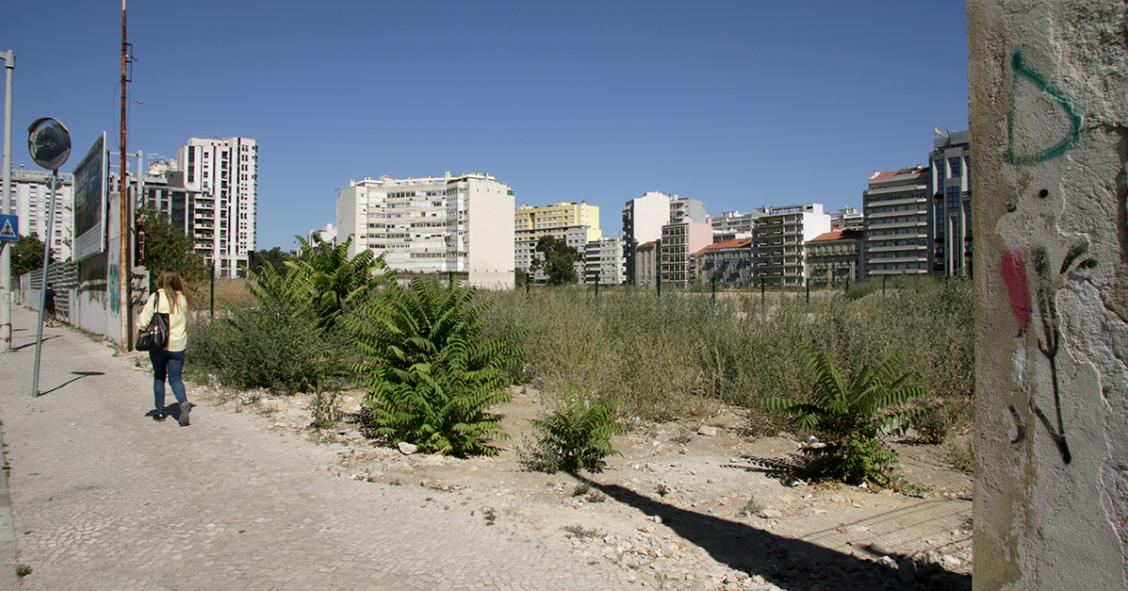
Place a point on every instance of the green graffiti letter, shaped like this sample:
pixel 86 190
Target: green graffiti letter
pixel 1020 69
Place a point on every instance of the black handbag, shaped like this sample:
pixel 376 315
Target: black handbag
pixel 155 337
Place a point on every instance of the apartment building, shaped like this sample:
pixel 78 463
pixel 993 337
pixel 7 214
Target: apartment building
pixel 461 225
pixel 646 264
pixel 950 187
pixel 30 200
pixel 604 262
pixel 779 243
pixel 681 239
pixel 223 175
pixel 576 224
pixel 835 257
pixel 163 189
pixel 327 234
pixel 643 218
pixel 735 225
pixel 728 262
pixel 897 240
pixel 684 207
pixel 847 218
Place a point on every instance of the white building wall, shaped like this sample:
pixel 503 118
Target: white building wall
pixel 30 190
pixel 225 171
pixel 490 211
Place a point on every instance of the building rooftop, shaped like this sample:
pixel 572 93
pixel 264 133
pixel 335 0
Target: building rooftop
pixel 743 243
pixel 837 235
pixel 647 245
pixel 882 175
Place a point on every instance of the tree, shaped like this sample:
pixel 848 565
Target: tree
pixel 166 247
pixel 559 260
pixel 27 255
pixel 275 257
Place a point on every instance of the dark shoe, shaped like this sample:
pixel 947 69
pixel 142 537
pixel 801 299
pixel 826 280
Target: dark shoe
pixel 156 415
pixel 185 408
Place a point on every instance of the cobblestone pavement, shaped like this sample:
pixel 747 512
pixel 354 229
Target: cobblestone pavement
pixel 104 498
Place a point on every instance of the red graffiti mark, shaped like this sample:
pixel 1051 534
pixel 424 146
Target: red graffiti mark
pixel 1014 274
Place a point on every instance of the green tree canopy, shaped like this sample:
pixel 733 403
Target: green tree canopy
pixel 166 247
pixel 27 255
pixel 275 257
pixel 557 259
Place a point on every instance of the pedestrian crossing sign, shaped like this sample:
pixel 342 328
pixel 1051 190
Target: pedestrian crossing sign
pixel 9 228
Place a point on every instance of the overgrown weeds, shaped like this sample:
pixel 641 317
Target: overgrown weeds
pixel 577 436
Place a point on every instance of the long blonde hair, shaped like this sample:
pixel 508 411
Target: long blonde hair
pixel 170 281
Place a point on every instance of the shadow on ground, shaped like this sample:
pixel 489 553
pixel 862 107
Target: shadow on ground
pixel 32 344
pixel 786 562
pixel 78 375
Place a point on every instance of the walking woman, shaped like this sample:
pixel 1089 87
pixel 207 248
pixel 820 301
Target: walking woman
pixel 169 362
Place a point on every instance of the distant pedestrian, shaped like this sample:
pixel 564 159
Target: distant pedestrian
pixel 169 362
pixel 49 306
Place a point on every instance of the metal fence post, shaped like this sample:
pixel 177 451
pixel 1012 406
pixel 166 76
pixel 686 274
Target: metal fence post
pixel 211 292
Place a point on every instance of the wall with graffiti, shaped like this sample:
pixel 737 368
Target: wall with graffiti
pixel 1049 127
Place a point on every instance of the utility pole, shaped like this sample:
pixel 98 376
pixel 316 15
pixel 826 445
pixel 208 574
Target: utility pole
pixel 6 252
pixel 123 255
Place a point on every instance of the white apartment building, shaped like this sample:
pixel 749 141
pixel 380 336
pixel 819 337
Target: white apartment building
pixel 328 234
pixel 30 201
pixel 604 262
pixel 224 173
pixel 779 239
pixel 643 218
pixel 460 225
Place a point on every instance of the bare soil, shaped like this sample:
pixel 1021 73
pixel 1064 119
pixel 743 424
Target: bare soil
pixel 680 509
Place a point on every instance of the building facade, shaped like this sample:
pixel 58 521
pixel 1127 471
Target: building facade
pixel 643 218
pixel 728 262
pixel 680 240
pixel 223 173
pixel 684 207
pixel 897 240
pixel 604 263
pixel 576 224
pixel 950 187
pixel 327 234
pixel 461 225
pixel 835 257
pixel 163 190
pixel 779 243
pixel 847 218
pixel 646 264
pixel 30 200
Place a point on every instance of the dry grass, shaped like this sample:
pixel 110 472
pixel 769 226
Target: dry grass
pixel 229 293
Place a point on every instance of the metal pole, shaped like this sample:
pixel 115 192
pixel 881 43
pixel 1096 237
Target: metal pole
pixel 883 278
pixel 763 293
pixel 658 266
pixel 43 281
pixel 123 240
pixel 6 253
pixel 808 282
pixel 211 291
pixel 597 283
pixel 714 288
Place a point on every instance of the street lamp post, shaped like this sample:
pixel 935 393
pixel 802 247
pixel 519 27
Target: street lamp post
pixel 5 253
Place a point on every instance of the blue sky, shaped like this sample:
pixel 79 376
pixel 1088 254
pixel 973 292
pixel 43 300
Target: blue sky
pixel 738 103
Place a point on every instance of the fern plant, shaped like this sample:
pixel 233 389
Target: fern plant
pixel 852 417
pixel 576 436
pixel 430 373
pixel 332 281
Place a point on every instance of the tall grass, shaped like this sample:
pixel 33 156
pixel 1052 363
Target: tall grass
pixel 667 357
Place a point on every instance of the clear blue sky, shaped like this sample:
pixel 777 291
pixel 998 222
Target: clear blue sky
pixel 737 103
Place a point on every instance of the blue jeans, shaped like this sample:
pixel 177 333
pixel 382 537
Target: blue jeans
pixel 172 364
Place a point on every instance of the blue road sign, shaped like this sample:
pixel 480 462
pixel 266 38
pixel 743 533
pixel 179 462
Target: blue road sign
pixel 9 228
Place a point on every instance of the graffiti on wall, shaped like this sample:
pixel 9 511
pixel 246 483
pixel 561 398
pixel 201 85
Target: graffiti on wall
pixel 112 286
pixel 1023 72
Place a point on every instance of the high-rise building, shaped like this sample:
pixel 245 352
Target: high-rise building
pixel 684 207
pixel 224 175
pixel 950 187
pixel 735 225
pixel 603 262
pixel 327 234
pixel 643 218
pixel 681 239
pixel 30 201
pixel 835 257
pixel 576 224
pixel 779 243
pixel 461 225
pixel 164 190
pixel 897 223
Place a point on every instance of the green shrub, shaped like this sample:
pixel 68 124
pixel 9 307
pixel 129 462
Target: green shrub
pixel 932 425
pixel 577 436
pixel 852 417
pixel 429 371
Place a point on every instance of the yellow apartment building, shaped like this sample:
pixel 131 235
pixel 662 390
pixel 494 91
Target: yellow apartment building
pixel 574 223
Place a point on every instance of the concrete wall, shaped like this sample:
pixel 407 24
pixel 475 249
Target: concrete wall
pixel 1049 102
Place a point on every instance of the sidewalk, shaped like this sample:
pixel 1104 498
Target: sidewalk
pixel 105 498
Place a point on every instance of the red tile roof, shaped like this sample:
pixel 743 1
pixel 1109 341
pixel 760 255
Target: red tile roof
pixel 837 235
pixel 740 243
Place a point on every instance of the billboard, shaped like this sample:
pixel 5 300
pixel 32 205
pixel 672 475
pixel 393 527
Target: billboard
pixel 90 201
